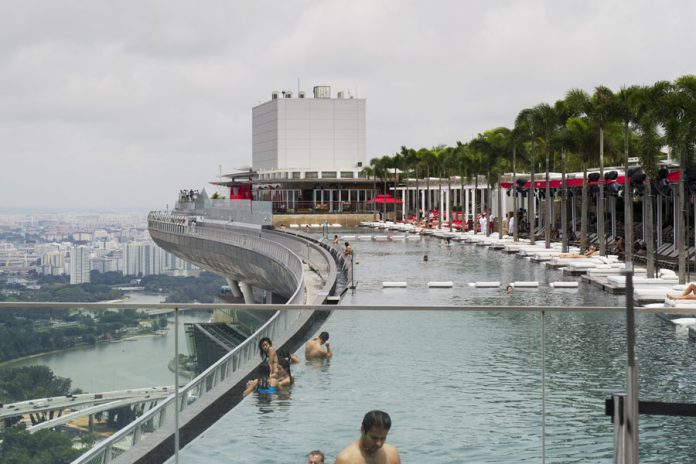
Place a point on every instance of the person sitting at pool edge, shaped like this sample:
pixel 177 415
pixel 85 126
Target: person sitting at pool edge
pixel 268 354
pixel 283 374
pixel 371 446
pixel 313 349
pixel 264 383
pixel 689 293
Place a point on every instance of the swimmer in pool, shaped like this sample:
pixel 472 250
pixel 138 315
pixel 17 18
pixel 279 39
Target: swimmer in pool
pixel 314 350
pixel 371 446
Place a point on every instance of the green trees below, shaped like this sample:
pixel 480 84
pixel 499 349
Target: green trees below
pixel 87 293
pixel 25 383
pixel 185 289
pixel 17 446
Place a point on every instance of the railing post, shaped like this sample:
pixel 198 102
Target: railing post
pixel 176 385
pixel 619 419
pixel 632 375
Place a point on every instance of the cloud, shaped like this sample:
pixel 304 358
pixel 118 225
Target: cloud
pixel 118 105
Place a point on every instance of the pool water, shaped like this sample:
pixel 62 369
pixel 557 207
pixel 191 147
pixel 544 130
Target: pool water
pixel 466 386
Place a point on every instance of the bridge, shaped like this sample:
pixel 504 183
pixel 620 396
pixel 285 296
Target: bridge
pixel 78 403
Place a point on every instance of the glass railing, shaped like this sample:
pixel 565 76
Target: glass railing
pixel 233 367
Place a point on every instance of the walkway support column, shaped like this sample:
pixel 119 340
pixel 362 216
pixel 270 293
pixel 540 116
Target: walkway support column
pixel 247 292
pixel 234 287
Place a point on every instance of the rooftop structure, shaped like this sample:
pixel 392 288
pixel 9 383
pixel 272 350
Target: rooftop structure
pixel 309 134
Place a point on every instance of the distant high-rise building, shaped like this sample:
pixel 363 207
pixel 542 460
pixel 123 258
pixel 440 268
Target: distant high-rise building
pixel 142 258
pixel 79 265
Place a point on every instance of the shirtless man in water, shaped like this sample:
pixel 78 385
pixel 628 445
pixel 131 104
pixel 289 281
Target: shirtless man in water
pixel 371 448
pixel 313 349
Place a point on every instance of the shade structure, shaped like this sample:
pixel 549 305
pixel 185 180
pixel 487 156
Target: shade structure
pixel 382 198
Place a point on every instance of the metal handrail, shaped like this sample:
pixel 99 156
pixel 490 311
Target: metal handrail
pixel 239 359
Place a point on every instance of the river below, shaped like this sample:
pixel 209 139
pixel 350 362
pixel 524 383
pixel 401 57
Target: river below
pixel 134 362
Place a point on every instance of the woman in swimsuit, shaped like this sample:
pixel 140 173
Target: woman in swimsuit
pixel 285 354
pixel 264 383
pixel 268 354
pixel 283 374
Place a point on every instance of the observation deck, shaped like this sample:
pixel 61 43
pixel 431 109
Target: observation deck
pixel 263 266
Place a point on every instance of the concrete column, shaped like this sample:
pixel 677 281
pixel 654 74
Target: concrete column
pixel 404 194
pixel 247 292
pixel 442 208
pixel 447 205
pixel 658 223
pixel 466 205
pixel 234 286
pixel 331 199
pixel 90 425
pixel 423 203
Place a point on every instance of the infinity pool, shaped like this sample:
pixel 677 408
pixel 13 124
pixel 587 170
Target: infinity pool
pixel 466 387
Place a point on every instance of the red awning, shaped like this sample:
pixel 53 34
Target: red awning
pixel 577 182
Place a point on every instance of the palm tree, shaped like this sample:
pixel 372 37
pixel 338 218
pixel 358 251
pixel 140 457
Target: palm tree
pixel 369 172
pixel 498 142
pixel 582 140
pixel 676 106
pixel 524 125
pixel 562 141
pixel 477 158
pixel 544 122
pixel 440 154
pixel 602 112
pixel 579 102
pixel 629 104
pixel 450 162
pixel 381 171
pixel 648 149
pixel 515 141
pixel 464 167
pixel 410 164
pixel 428 162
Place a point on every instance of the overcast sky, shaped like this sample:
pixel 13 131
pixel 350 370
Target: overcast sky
pixel 115 106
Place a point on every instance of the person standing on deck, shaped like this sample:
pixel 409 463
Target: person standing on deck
pixel 483 222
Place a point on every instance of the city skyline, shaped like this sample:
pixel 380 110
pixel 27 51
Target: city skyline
pixel 114 108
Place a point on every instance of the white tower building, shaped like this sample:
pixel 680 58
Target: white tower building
pixel 309 137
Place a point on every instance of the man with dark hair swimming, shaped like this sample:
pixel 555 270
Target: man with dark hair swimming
pixel 371 447
pixel 315 457
pixel 314 350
